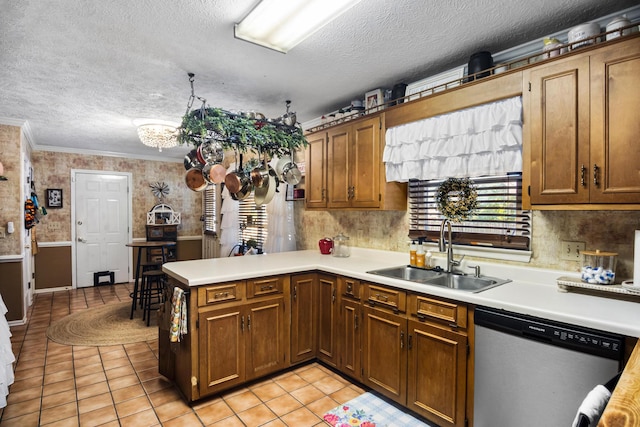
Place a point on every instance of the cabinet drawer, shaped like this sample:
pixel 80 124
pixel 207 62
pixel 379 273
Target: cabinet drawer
pixel 267 286
pixel 386 297
pixel 216 294
pixel 444 312
pixel 350 287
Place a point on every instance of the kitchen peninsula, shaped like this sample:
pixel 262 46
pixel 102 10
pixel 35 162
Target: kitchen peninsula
pixel 273 311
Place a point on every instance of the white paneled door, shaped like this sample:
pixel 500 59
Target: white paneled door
pixel 102 218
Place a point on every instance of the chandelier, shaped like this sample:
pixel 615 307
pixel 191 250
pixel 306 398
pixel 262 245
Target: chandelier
pixel 158 134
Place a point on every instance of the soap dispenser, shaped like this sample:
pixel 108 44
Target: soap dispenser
pixel 412 253
pixel 420 256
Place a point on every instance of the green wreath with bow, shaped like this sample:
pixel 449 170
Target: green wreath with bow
pixel 457 198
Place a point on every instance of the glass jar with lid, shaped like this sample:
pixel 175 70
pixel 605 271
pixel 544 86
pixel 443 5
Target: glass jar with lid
pixel 341 246
pixel 598 267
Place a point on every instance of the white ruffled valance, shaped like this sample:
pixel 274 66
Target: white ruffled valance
pixel 478 141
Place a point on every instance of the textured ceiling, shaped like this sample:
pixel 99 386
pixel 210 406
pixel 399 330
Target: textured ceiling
pixel 80 71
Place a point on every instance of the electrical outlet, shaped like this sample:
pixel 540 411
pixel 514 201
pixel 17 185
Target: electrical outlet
pixel 570 251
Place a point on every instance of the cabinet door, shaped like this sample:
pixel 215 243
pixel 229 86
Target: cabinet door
pixel 558 119
pixel 327 297
pixel 338 167
pixel 615 127
pixel 316 174
pixel 221 329
pixel 349 338
pixel 303 317
pixel 365 164
pixel 384 356
pixel 437 374
pixel 265 339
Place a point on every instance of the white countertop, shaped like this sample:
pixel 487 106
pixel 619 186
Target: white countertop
pixel 532 291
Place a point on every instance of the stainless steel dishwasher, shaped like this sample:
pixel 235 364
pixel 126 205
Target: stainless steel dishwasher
pixel 534 372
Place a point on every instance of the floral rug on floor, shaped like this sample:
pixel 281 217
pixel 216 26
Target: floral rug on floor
pixel 368 410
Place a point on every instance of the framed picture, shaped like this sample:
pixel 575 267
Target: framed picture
pixel 374 100
pixel 54 197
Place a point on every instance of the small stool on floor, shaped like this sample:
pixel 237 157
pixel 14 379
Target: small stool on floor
pixel 97 275
pixel 151 292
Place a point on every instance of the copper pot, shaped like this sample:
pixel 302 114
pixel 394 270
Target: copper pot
pixel 194 179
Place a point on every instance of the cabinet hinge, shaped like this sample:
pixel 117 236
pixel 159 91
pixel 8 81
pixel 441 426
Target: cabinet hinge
pixel 529 190
pixel 197 324
pixel 529 86
pixel 379 123
pixel 466 422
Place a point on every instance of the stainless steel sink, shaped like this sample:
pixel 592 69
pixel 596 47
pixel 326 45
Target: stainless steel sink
pixel 441 278
pixel 409 273
pixel 466 283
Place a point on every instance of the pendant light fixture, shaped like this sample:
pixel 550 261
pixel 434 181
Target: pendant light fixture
pixel 157 134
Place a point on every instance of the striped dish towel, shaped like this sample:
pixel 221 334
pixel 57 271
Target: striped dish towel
pixel 178 315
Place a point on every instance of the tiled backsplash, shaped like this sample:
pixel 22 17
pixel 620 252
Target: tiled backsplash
pixel 604 230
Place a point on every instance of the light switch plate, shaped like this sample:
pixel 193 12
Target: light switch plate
pixel 570 251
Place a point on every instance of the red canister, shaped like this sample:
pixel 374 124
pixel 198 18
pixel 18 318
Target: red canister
pixel 326 246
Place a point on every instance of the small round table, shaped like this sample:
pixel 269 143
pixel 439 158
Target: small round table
pixel 144 245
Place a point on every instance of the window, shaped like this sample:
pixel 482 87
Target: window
pixel 210 210
pixel 498 221
pixel 253 221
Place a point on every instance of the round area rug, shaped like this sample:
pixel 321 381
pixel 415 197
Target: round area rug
pixel 105 325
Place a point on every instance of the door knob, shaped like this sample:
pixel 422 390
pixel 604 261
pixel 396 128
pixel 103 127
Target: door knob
pixel 81 240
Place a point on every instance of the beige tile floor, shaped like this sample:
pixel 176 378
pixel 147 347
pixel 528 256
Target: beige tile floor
pixel 58 385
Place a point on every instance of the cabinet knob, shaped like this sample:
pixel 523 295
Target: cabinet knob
pixel 595 175
pixel 583 171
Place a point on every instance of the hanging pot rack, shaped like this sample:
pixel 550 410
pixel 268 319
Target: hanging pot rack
pixel 241 131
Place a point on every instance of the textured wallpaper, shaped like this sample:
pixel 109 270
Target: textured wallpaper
pixel 53 170
pixel 605 230
pixel 11 207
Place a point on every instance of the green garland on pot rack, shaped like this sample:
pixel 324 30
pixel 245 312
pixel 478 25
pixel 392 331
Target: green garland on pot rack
pixel 241 132
pixel 457 198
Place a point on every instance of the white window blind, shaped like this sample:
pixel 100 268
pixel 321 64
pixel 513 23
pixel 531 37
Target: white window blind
pixel 253 221
pixel 498 221
pixel 209 209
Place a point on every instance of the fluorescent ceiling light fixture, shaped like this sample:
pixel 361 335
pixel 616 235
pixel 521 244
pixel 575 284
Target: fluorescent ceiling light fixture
pixel 282 24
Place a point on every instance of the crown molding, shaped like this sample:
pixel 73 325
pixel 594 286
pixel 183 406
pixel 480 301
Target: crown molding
pixel 86 152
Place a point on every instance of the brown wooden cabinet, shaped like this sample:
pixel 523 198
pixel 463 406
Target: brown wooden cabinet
pixel 316 173
pixel 240 343
pixel 352 168
pixel 221 329
pixel 438 355
pixel 354 159
pixel 265 337
pixel 349 332
pixel 384 329
pixel 238 331
pixel 582 127
pixel 327 318
pixel 304 313
pixel 384 354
